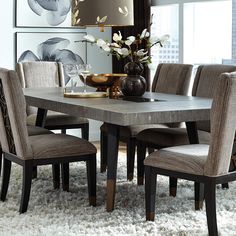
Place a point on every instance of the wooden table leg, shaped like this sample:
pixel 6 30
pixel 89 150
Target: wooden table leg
pixel 192 132
pixel 198 187
pixel 40 121
pixel 199 195
pixel 112 155
pixel 41 117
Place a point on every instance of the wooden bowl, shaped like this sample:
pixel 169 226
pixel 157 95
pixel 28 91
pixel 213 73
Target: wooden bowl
pixel 103 82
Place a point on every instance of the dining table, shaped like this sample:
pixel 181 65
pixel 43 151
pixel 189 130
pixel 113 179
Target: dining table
pixel 151 108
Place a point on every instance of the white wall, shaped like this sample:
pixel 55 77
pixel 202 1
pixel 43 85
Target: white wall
pixel 100 62
pixel 7 35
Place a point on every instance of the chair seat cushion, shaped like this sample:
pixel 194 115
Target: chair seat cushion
pixel 133 130
pixel 59 145
pixel 58 119
pixel 167 137
pixel 35 130
pixel 186 158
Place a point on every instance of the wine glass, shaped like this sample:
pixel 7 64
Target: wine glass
pixel 71 71
pixel 84 71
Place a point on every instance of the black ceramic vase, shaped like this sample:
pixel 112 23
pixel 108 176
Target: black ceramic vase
pixel 134 84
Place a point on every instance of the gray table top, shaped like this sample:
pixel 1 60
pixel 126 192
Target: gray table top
pixel 169 108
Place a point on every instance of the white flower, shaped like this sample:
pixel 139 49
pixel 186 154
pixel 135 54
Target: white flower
pixel 115 45
pixel 130 47
pixel 123 51
pixel 144 59
pixel 144 34
pixel 130 40
pixel 117 37
pixel 101 42
pixel 106 48
pixel 153 39
pixel 141 52
pixel 90 38
pixel 164 38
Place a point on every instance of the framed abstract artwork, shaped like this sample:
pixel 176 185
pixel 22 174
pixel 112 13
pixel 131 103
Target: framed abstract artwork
pixel 47 46
pixel 43 13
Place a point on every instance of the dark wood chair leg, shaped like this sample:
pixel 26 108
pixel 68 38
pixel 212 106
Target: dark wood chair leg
pixel 225 186
pixel 35 172
pixel 150 150
pixel 26 185
pixel 65 176
pixel 150 193
pixel 141 153
pixel 210 196
pixel 92 180
pixel 199 195
pixel 85 131
pixel 103 147
pixel 6 172
pixel 63 131
pixel 199 188
pixel 173 186
pixel 131 145
pixel 56 175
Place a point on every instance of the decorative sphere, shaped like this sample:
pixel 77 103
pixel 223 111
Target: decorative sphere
pixel 133 85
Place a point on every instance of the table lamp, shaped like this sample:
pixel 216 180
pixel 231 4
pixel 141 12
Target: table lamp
pixel 102 13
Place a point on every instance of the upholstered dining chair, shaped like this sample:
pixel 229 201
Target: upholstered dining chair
pixel 30 151
pixel 205 84
pixel 32 130
pixel 169 78
pixel 207 164
pixel 49 74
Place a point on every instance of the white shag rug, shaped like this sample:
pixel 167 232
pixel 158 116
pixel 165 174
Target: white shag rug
pixel 57 213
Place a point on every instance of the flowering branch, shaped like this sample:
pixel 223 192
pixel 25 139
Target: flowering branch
pixel 130 47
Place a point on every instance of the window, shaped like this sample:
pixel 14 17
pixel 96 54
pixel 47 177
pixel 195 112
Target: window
pixel 165 21
pixel 200 31
pixel 207 31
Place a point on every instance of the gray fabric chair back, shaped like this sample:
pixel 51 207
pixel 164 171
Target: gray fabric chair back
pixel 13 130
pixel 172 78
pixel 40 74
pixel 223 125
pixel 205 84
